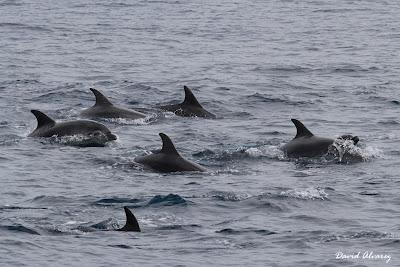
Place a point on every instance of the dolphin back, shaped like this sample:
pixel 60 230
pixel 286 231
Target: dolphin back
pixel 190 107
pixel 168 159
pixel 305 143
pixel 103 108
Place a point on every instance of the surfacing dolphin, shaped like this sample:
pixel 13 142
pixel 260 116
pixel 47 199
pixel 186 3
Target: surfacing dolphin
pixel 190 107
pixel 131 224
pixel 168 159
pixel 103 108
pixel 47 127
pixel 306 144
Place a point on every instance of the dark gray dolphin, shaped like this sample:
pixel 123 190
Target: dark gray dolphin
pixel 190 107
pixel 47 127
pixel 306 144
pixel 103 108
pixel 131 224
pixel 168 159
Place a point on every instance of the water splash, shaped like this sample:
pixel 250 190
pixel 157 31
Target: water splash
pixel 239 153
pixel 98 139
pixel 344 151
pixel 105 225
pixel 141 121
pixel 306 194
pixel 272 152
pixel 228 196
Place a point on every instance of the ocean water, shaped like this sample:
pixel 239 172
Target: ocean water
pixel 334 65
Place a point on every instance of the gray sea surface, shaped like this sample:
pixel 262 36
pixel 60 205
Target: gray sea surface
pixel 334 65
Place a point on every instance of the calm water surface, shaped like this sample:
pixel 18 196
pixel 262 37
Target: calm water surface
pixel 335 65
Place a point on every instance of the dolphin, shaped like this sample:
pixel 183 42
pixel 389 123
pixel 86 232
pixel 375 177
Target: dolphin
pixel 103 108
pixel 168 159
pixel 131 224
pixel 47 127
pixel 190 107
pixel 306 144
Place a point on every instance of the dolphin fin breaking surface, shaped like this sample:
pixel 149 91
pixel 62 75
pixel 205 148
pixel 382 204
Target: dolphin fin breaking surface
pixel 190 107
pixel 167 146
pixel 168 159
pixel 101 100
pixel 131 224
pixel 103 108
pixel 42 119
pixel 190 99
pixel 302 131
pixel 90 133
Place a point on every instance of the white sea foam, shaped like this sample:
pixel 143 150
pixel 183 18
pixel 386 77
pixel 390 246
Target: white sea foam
pixel 307 193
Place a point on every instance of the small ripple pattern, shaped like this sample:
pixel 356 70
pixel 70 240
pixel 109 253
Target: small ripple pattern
pixel 334 65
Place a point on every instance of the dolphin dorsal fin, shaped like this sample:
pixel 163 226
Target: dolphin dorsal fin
pixel 190 99
pixel 167 146
pixel 302 131
pixel 101 100
pixel 42 119
pixel 131 224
